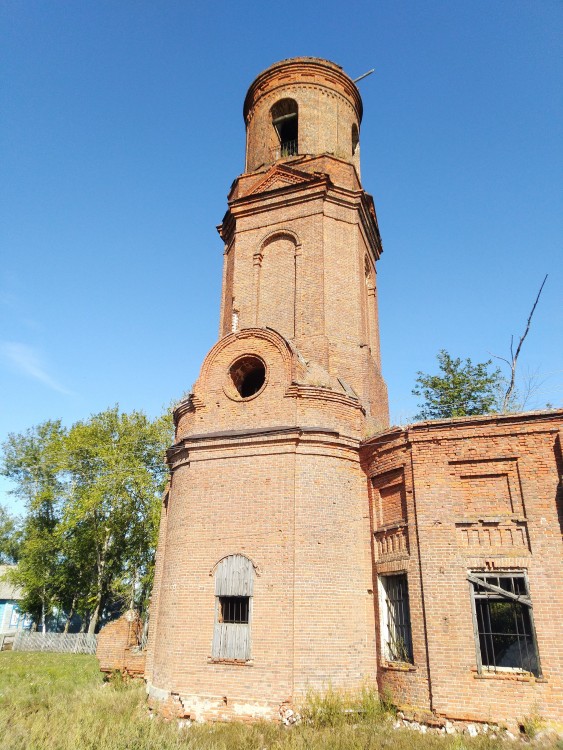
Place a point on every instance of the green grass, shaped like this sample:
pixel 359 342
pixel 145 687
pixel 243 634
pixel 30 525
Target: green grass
pixel 60 702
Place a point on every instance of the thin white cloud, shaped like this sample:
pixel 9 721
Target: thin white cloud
pixel 17 307
pixel 25 359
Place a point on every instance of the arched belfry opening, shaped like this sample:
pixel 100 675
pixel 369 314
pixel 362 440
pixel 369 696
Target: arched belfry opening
pixel 285 121
pixel 355 139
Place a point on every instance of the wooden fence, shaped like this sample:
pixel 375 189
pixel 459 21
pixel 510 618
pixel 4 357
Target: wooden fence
pixel 66 643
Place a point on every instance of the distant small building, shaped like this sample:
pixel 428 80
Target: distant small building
pixel 11 617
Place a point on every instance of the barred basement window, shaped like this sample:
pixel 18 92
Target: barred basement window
pixel 395 619
pixel 503 622
pixel 234 583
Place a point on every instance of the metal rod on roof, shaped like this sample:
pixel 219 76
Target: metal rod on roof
pixel 355 80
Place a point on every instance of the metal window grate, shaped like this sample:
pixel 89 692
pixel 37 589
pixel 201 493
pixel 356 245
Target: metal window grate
pixel 289 148
pixel 285 120
pixel 234 609
pixel 398 640
pixel 285 149
pixel 504 623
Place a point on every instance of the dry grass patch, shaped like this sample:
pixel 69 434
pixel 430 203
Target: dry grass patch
pixel 60 702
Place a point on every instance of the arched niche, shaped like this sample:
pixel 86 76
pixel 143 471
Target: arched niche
pixel 276 283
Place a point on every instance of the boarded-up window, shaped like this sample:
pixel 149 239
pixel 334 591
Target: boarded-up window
pixel 234 583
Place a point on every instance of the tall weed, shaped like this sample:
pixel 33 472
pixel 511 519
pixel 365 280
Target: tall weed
pixel 334 708
pixel 60 702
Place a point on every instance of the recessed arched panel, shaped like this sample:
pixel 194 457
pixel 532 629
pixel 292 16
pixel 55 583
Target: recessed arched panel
pixel 276 285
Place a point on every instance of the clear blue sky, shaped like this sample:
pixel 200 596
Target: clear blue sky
pixel 121 132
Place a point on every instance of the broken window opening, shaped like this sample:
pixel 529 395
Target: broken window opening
pixel 503 620
pixel 285 120
pixel 248 375
pixel 234 609
pixel 396 623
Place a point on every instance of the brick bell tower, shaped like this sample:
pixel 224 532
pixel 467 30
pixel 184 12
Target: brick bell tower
pixel 263 581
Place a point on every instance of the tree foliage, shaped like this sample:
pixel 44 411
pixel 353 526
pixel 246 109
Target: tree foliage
pixel 10 537
pixel 92 495
pixel 117 476
pixel 460 389
pixel 34 461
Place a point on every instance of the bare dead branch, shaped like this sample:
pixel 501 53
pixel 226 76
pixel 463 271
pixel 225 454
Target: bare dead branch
pixel 512 364
pixel 531 385
pixel 503 359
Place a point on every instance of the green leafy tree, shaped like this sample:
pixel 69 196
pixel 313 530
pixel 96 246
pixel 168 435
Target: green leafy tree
pixel 460 389
pixel 38 567
pixel 117 474
pixel 92 495
pixel 35 462
pixel 10 537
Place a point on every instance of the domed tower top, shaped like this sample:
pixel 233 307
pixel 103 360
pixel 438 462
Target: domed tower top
pixel 304 105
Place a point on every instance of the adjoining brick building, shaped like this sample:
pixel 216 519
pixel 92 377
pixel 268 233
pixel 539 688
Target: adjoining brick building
pixel 294 553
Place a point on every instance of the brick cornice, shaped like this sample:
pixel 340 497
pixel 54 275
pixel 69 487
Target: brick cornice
pixel 480 426
pixel 303 71
pixel 179 454
pixel 317 186
pixel 297 390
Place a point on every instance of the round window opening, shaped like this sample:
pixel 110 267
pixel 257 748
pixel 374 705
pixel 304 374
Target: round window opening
pixel 248 375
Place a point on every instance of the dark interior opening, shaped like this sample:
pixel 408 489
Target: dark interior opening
pixel 248 375
pixel 287 130
pixel 505 626
pixel 355 138
pixel 286 123
pixel 234 609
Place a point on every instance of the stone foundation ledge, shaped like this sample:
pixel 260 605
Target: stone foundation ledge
pixel 424 721
pixel 198 708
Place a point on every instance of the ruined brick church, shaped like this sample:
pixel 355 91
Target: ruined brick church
pixel 304 543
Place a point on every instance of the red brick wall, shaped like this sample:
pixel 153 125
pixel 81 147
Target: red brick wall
pixel 481 496
pixel 301 235
pixel 328 105
pixel 116 643
pixel 291 498
pixel 282 477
